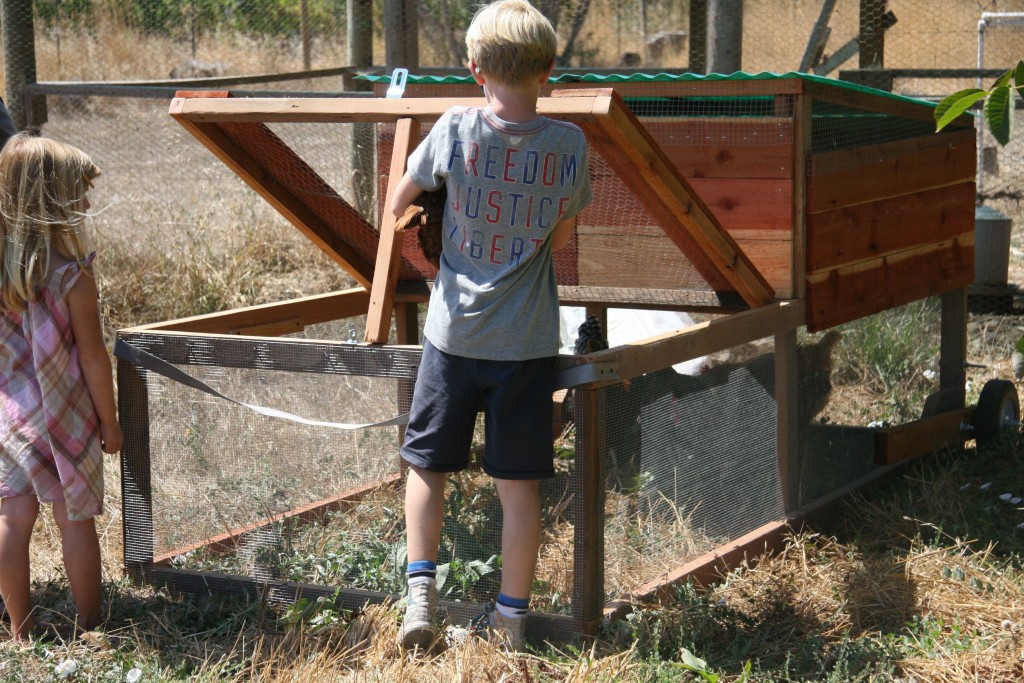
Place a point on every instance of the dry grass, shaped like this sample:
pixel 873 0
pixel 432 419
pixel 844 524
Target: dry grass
pixel 961 608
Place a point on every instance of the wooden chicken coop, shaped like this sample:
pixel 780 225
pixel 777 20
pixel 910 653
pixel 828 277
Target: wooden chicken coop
pixel 774 209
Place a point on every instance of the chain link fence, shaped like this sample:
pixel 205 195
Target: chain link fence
pixel 160 39
pixel 922 48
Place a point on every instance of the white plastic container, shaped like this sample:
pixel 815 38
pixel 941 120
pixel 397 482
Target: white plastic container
pixel 991 247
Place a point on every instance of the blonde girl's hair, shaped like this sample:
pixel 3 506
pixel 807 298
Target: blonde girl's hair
pixel 511 42
pixel 42 187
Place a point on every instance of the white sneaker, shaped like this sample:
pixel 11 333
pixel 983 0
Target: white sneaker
pixel 492 625
pixel 419 629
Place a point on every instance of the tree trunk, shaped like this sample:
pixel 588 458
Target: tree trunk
pixel 725 36
pixel 19 59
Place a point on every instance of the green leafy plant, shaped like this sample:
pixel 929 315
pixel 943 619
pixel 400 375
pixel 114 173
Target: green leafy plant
pixel 319 614
pixel 695 664
pixel 887 354
pixel 456 578
pixel 997 108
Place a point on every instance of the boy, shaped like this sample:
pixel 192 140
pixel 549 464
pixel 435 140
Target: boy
pixel 515 183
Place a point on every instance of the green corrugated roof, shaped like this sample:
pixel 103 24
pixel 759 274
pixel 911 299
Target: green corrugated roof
pixel 665 78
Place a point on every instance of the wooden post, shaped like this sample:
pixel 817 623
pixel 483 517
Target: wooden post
pixel 360 136
pixel 588 529
pixel 953 351
pixel 359 16
pixel 819 35
pixel 19 59
pixel 725 36
pixel 401 35
pixel 643 27
pixel 307 39
pixel 872 34
pixel 787 437
pixel 699 36
pixel 389 250
pixel 136 469
pixel 801 113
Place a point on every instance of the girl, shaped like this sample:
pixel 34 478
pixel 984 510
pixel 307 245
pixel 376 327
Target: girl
pixel 57 407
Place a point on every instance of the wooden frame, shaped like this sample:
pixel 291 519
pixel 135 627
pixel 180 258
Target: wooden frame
pixel 913 239
pixel 610 128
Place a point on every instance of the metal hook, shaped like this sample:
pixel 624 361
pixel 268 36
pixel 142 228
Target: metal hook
pixel 397 87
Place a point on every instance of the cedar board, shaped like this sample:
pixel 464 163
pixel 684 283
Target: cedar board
pixel 869 230
pixel 874 172
pixel 845 294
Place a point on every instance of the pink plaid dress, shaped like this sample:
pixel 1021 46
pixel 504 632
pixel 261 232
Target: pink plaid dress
pixel 49 432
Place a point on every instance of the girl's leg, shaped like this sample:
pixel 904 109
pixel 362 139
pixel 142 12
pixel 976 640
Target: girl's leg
pixel 520 534
pixel 17 517
pixel 424 513
pixel 81 549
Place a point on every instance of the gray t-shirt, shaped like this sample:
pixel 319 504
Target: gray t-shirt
pixel 509 184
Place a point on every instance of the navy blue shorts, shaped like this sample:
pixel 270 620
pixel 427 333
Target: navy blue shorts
pixel 517 400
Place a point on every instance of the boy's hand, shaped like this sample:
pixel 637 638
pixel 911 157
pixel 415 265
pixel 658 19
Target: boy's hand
pixel 427 215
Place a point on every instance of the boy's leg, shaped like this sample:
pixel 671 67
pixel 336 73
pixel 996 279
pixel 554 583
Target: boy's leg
pixel 520 545
pixel 437 440
pixel 424 516
pixel 81 550
pixel 520 534
pixel 520 452
pixel 17 517
pixel 424 512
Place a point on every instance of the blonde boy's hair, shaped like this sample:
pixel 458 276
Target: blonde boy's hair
pixel 511 42
pixel 42 187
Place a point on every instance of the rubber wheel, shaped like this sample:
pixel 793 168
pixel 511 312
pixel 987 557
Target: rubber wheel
pixel 998 409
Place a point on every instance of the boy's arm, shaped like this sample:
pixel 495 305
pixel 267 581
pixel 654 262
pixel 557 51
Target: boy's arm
pixel 406 191
pixel 563 233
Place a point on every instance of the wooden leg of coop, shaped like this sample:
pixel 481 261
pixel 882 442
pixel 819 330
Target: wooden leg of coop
pixel 787 426
pixel 389 250
pixel 953 351
pixel 136 469
pixel 588 536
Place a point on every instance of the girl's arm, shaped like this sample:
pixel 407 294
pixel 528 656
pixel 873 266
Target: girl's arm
pixel 563 233
pixel 83 301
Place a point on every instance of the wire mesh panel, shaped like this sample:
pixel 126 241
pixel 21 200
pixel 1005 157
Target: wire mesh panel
pixel 168 206
pixel 218 496
pixel 212 485
pixel 856 380
pixel 808 176
pixel 208 37
pixel 690 463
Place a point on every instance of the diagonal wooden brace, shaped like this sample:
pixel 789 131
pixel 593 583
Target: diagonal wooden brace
pixel 389 249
